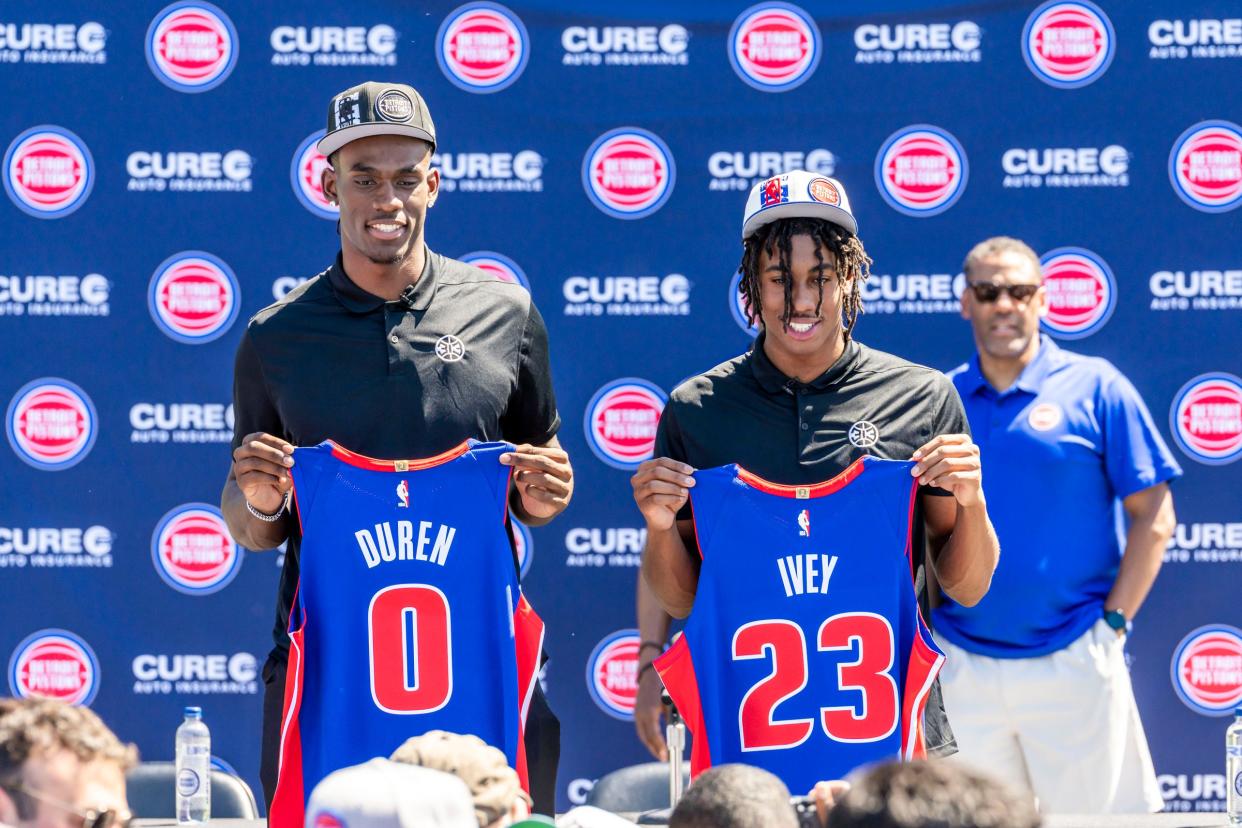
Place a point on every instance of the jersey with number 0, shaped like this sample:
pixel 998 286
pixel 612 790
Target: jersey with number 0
pixel 408 617
pixel 805 653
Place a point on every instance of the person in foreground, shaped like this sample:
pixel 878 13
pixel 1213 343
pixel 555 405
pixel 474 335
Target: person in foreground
pixel 60 767
pixel 385 794
pixel 1036 682
pixel 499 800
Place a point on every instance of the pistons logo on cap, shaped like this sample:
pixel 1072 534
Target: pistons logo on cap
pixel 628 173
pixel 1082 292
pixel 823 190
pixel 737 307
pixel 482 47
pixel 501 267
pixel 306 176
pixel 1205 166
pixel 523 545
pixel 1206 418
pixel 1068 45
pixel 193 551
pixel 54 664
pixel 612 674
pixel 921 170
pixel 51 424
pixel 1207 670
pixel 621 421
pixel 48 172
pixel 193 297
pixel 774 47
pixel 191 46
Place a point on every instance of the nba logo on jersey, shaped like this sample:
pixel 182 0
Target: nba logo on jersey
pixel 403 494
pixel 804 524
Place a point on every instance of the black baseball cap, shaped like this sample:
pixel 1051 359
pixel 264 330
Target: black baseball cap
pixel 377 109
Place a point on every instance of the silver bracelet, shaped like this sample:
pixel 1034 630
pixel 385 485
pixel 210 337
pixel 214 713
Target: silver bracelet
pixel 272 518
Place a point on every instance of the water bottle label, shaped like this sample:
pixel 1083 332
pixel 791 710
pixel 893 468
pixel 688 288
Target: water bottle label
pixel 1233 751
pixel 187 782
pixel 1237 784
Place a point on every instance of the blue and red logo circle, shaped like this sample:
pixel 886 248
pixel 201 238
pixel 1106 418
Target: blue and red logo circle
pixel 1205 166
pixel 524 545
pixel 51 424
pixel 501 267
pixel 612 674
pixel 48 172
pixel 193 297
pixel 191 46
pixel 1068 45
pixel 1207 670
pixel 1082 292
pixel 1206 418
pixel 482 47
pixel 774 47
pixel 621 421
pixel 54 664
pixel 921 170
pixel 629 173
pixel 737 307
pixel 193 551
pixel 306 175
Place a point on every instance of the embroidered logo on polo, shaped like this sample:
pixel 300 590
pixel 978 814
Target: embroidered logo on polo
pixel 48 172
pixel 1206 418
pixel 450 349
pixel 1205 166
pixel 193 297
pixel 774 47
pixel 1068 45
pixel 51 424
pixel 482 47
pixel 191 46
pixel 1045 417
pixel 1082 292
pixel 863 434
pixel 54 664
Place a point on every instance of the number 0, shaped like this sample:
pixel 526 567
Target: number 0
pixel 411 649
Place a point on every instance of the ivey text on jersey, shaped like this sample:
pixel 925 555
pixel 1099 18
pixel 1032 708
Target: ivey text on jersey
pixel 806 574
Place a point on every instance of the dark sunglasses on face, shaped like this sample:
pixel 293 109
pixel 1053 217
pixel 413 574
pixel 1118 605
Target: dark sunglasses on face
pixel 987 292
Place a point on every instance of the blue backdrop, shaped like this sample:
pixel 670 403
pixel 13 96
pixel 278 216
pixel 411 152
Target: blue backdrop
pixel 155 166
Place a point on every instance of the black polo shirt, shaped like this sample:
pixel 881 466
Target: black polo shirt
pixel 465 356
pixel 746 411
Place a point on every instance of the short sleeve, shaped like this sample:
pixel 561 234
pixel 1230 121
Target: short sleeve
pixel 531 416
pixel 949 417
pixel 253 407
pixel 669 443
pixel 1135 455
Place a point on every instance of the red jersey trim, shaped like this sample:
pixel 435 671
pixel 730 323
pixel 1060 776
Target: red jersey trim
pixel 921 670
pixel 676 669
pixel 361 461
pixel 289 800
pixel 528 638
pixel 847 476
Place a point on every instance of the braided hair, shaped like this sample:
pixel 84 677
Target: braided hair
pixel 852 262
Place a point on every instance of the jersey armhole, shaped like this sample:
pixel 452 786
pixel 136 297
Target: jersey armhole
pixel 499 477
pixel 306 476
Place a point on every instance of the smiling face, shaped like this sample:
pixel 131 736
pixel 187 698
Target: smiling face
pixel 807 340
pixel 383 185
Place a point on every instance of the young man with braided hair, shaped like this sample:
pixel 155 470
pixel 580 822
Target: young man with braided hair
pixel 799 407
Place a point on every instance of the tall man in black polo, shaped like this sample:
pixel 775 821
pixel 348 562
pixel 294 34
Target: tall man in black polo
pixel 803 403
pixel 394 352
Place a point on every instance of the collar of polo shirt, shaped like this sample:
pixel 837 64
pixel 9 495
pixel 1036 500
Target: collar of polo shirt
pixel 1030 380
pixel 773 381
pixel 357 300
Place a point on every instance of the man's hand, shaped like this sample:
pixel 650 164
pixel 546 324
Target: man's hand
pixel 543 478
pixel 647 712
pixel 951 462
pixel 826 795
pixel 661 487
pixel 261 465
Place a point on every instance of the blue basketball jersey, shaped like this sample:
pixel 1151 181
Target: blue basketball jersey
pixel 805 653
pixel 409 616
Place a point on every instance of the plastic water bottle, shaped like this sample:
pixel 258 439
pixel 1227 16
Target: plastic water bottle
pixel 1233 768
pixel 193 768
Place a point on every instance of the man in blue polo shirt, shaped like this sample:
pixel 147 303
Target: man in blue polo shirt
pixel 1035 682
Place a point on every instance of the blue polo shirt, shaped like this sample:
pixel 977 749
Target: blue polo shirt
pixel 1059 447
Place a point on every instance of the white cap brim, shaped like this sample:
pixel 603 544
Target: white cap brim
pixel 333 141
pixel 806 209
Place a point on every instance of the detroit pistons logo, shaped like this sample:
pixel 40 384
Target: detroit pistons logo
pixel 306 176
pixel 54 664
pixel 1082 292
pixel 628 173
pixel 48 172
pixel 921 171
pixel 482 47
pixel 1205 166
pixel 774 47
pixel 612 674
pixel 193 297
pixel 193 551
pixel 1045 417
pixel 191 46
pixel 1206 418
pixel 523 545
pixel 1207 670
pixel 1068 45
pixel 502 268
pixel 51 424
pixel 737 308
pixel 621 421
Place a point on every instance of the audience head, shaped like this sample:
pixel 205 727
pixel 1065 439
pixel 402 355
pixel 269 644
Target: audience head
pixel 59 764
pixel 385 794
pixel 735 796
pixel 930 794
pixel 498 796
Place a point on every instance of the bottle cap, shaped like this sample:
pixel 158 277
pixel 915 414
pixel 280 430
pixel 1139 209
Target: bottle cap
pixel 194 712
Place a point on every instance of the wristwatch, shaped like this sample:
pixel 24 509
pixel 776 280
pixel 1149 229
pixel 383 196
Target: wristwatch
pixel 1118 621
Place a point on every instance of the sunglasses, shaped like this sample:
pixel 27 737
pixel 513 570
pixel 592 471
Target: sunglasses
pixel 90 818
pixel 987 292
